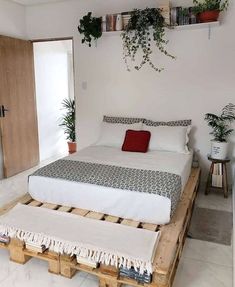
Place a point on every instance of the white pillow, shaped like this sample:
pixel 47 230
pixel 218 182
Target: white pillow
pixel 168 138
pixel 114 134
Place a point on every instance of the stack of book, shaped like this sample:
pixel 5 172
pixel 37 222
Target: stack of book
pixel 4 239
pixel 217 175
pixel 110 22
pixel 87 262
pixel 35 247
pixel 133 274
pixel 165 12
pixel 182 16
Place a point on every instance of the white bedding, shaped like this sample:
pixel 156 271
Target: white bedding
pixel 138 206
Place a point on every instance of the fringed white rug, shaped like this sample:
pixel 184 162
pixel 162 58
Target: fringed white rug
pixel 100 241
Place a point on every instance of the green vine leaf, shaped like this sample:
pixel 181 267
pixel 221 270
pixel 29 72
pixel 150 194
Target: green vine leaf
pixel 90 28
pixel 145 27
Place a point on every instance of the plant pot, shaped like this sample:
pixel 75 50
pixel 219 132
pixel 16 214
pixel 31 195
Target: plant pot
pixel 219 150
pixel 72 146
pixel 208 16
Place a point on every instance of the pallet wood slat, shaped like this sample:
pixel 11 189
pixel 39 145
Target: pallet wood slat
pixel 79 211
pixel 23 199
pixel 149 226
pixel 64 209
pixel 131 223
pixel 166 258
pixel 112 219
pixel 95 215
pixel 35 203
pixel 50 206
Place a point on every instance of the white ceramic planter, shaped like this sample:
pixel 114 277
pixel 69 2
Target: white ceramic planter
pixel 219 150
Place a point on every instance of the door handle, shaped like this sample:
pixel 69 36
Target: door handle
pixel 3 111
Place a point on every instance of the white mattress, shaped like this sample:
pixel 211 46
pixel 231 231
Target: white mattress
pixel 138 206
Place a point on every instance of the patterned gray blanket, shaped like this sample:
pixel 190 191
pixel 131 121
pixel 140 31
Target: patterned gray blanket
pixel 139 180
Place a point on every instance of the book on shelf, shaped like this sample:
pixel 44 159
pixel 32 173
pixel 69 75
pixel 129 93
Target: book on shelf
pixel 165 12
pixel 110 22
pixel 180 16
pixel 217 175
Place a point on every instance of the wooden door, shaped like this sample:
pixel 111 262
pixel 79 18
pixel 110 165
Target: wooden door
pixel 19 129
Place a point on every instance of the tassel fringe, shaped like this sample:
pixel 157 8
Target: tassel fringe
pixel 71 249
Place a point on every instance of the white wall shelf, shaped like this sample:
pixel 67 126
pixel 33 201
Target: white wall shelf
pixel 208 26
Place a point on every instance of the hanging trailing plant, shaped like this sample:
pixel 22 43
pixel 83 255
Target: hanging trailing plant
pixel 145 28
pixel 90 27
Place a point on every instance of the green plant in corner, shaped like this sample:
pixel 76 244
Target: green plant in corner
pixel 145 27
pixel 68 119
pixel 221 124
pixel 90 27
pixel 209 5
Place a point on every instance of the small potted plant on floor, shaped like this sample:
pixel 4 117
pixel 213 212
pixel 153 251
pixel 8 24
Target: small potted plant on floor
pixel 221 130
pixel 209 10
pixel 68 124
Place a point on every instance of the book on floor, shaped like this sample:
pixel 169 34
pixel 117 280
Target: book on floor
pixel 4 239
pixel 36 248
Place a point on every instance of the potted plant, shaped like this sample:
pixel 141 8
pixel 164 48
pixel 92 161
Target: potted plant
pixel 209 10
pixel 90 27
pixel 68 124
pixel 145 28
pixel 221 130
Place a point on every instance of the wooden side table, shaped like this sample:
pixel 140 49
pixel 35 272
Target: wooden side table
pixel 224 176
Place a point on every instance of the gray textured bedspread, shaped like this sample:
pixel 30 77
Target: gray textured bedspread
pixel 139 180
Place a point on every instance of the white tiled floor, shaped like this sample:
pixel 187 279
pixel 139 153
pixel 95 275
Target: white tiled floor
pixel 203 264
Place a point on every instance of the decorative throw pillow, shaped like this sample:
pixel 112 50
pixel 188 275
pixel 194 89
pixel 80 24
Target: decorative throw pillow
pixel 113 134
pixel 169 138
pixel 121 120
pixel 136 141
pixel 182 123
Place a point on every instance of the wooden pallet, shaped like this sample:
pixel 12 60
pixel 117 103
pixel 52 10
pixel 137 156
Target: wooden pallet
pixel 168 251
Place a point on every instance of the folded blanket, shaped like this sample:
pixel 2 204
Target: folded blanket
pixel 65 233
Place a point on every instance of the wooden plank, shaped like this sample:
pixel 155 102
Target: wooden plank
pixel 131 223
pixel 112 219
pixel 35 203
pixel 50 206
pixel 95 215
pixel 19 129
pixel 64 209
pixel 170 233
pixel 168 251
pixel 3 246
pixel 149 226
pixel 22 199
pixel 79 211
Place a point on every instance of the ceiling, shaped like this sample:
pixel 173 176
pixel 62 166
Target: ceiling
pixel 34 2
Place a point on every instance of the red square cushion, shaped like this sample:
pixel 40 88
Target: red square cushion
pixel 136 141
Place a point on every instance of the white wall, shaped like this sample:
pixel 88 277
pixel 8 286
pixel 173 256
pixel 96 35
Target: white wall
pixel 12 19
pixel 52 69
pixel 201 80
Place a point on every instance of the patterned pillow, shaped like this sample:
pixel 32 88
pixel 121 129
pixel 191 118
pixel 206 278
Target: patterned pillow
pixel 122 120
pixel 179 123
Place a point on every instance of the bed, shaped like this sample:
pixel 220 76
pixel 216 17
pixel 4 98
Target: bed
pixel 117 201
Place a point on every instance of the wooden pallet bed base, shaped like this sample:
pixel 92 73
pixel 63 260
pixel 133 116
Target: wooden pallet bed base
pixel 166 259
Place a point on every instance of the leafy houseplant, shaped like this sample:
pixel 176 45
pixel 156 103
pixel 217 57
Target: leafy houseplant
pixel 221 130
pixel 68 123
pixel 208 10
pixel 90 27
pixel 144 27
